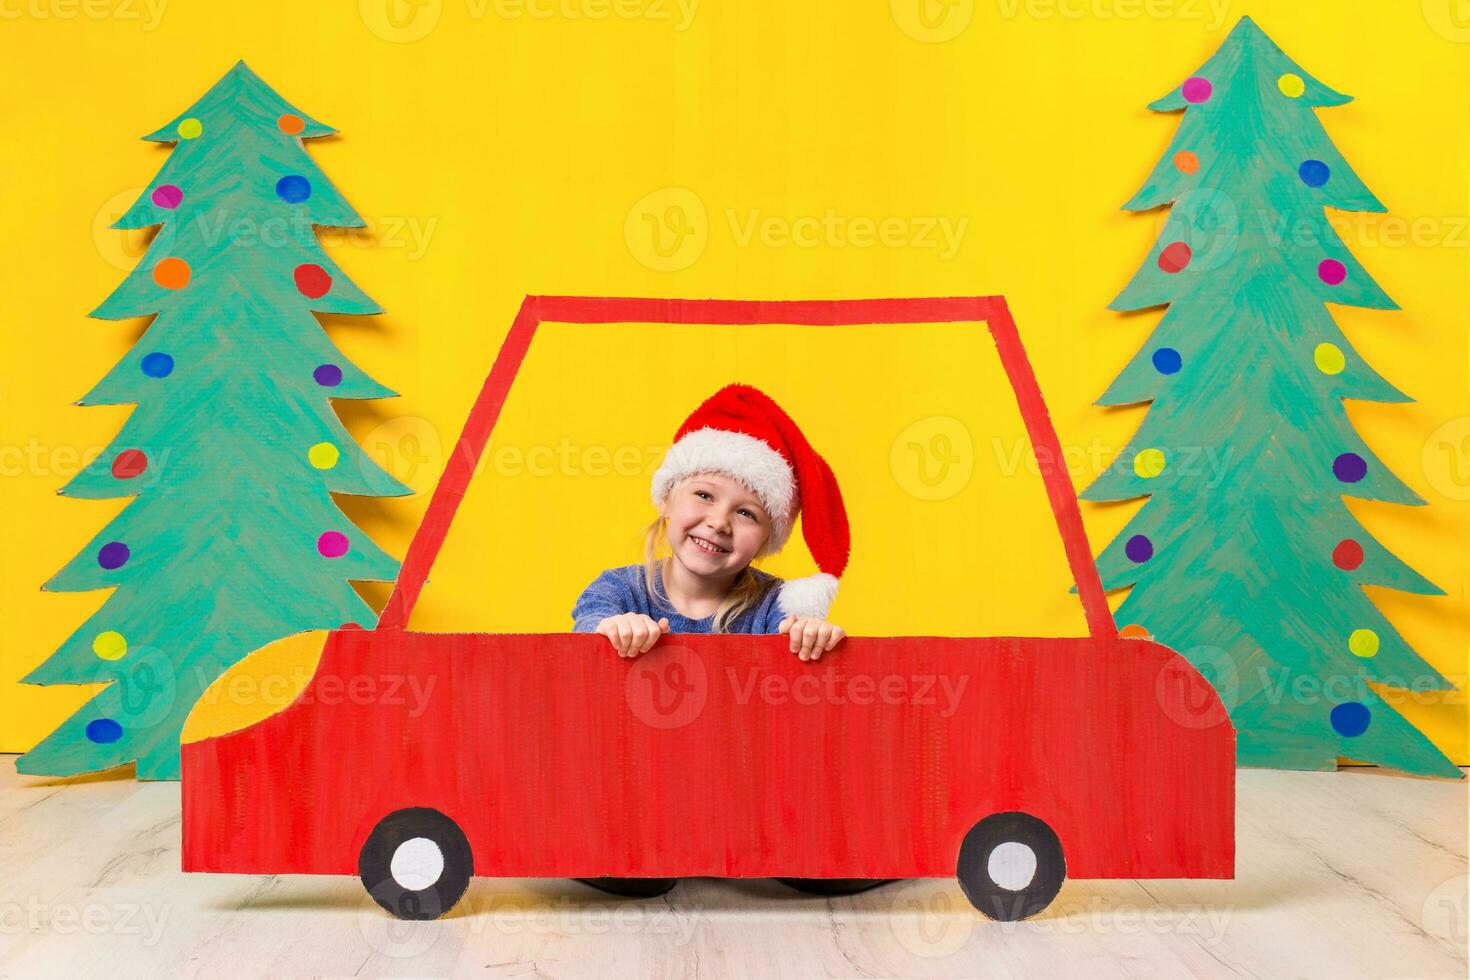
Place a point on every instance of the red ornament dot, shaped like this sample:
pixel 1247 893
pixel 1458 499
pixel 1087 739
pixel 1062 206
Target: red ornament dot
pixel 129 463
pixel 312 280
pixel 1175 256
pixel 1348 554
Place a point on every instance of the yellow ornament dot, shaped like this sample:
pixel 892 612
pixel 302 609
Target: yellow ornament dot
pixel 110 645
pixel 1328 358
pixel 190 128
pixel 1291 85
pixel 1363 643
pixel 323 455
pixel 1149 463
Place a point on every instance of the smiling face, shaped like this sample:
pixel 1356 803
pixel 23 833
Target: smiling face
pixel 717 525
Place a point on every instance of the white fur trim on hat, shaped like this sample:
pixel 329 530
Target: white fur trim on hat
pixel 809 597
pixel 746 458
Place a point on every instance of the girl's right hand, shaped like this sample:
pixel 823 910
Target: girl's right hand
pixel 632 633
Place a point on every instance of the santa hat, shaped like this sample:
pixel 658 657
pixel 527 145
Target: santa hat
pixel 741 432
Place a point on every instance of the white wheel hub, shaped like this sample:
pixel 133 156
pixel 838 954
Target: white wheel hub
pixel 417 863
pixel 1011 865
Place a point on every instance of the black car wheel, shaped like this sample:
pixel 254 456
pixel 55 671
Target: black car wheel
pixel 416 863
pixel 1011 866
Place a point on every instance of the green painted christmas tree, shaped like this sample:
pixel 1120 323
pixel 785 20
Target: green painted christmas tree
pixel 233 451
pixel 1245 558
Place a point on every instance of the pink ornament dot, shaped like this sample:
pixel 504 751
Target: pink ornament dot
pixel 1331 271
pixel 1197 90
pixel 332 544
pixel 167 196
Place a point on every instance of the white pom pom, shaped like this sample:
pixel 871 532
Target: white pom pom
pixel 808 598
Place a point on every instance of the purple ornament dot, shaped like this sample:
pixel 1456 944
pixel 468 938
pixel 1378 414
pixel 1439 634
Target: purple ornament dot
pixel 1139 549
pixel 1331 271
pixel 328 375
pixel 114 554
pixel 1349 468
pixel 167 196
pixel 1197 90
pixel 332 544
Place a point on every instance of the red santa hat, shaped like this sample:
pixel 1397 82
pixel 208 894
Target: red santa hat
pixel 741 432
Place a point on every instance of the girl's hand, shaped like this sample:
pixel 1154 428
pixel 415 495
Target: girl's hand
pixel 632 633
pixel 810 638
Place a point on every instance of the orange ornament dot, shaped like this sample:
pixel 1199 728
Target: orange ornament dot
pixel 291 125
pixel 172 273
pixel 1186 161
pixel 1133 631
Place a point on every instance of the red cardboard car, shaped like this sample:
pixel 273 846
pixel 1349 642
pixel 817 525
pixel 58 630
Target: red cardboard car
pixel 1009 763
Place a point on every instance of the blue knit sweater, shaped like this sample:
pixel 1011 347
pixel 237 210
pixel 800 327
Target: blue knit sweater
pixel 622 590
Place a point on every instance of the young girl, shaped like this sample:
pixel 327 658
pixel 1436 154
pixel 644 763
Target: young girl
pixel 728 493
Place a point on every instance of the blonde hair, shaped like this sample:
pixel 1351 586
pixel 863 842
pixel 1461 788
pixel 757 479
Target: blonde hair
pixel 745 590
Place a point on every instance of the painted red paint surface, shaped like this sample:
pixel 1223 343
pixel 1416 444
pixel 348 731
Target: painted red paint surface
pixel 726 755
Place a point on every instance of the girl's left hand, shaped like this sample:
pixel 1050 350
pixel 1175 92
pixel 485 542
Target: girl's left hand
pixel 810 638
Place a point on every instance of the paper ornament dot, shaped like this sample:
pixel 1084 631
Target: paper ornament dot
pixel 190 128
pixel 1196 90
pixel 323 455
pixel 332 544
pixel 1134 631
pixel 1167 360
pixel 171 273
pixel 1149 463
pixel 167 196
pixel 1328 358
pixel 103 731
pixel 1363 643
pixel 1186 162
pixel 1348 554
pixel 113 554
pixel 1349 468
pixel 312 280
pixel 291 124
pixel 157 365
pixel 129 463
pixel 327 375
pixel 1314 173
pixel 1291 85
pixel 1139 549
pixel 1175 256
pixel 1331 271
pixel 293 188
pixel 110 645
pixel 1350 719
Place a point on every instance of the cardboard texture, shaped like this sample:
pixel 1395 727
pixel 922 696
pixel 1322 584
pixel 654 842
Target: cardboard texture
pixel 1245 557
pixel 546 755
pixel 233 451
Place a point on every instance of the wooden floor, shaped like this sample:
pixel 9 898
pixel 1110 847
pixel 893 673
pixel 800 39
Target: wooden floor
pixel 1349 874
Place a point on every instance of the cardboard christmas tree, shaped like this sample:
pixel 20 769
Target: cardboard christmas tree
pixel 233 451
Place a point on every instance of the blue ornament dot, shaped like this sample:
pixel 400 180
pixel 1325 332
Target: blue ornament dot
pixel 104 731
pixel 1314 173
pixel 1167 360
pixel 293 188
pixel 1350 719
pixel 1139 549
pixel 157 365
pixel 1349 468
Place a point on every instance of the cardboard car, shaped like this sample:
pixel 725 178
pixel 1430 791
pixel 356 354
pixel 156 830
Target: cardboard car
pixel 1009 763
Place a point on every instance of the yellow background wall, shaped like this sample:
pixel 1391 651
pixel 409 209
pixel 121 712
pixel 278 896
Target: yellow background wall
pixel 535 146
